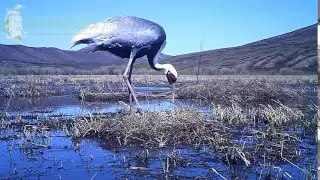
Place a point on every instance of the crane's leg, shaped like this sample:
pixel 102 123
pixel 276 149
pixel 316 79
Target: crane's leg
pixel 125 77
pixel 130 95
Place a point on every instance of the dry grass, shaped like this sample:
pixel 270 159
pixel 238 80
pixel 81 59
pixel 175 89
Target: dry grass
pixel 281 115
pixel 31 90
pixel 230 115
pixel 117 96
pixel 88 79
pixel 219 87
pixel 152 128
pixel 240 91
pixel 240 135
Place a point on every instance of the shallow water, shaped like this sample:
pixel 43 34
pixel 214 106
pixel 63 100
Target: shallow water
pixel 69 106
pixel 67 159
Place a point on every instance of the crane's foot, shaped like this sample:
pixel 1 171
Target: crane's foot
pixel 130 109
pixel 139 110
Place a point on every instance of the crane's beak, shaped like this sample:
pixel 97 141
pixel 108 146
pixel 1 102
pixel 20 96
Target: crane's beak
pixel 172 90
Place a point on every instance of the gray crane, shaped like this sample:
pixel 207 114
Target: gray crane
pixel 129 37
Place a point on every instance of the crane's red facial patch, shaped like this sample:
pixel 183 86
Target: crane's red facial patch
pixel 171 78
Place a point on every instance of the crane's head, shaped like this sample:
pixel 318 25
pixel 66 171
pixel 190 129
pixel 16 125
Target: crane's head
pixel 172 76
pixel 171 73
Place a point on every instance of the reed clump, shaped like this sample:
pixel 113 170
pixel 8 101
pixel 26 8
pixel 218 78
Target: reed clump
pixel 180 126
pixel 31 90
pixel 236 132
pixel 238 90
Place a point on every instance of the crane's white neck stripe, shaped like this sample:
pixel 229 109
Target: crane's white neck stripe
pixel 160 66
pixel 166 68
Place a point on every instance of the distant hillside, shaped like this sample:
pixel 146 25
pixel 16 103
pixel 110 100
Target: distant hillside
pixel 22 58
pixel 286 54
pixel 294 51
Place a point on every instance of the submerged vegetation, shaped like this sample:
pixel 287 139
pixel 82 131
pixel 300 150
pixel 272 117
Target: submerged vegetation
pixel 252 124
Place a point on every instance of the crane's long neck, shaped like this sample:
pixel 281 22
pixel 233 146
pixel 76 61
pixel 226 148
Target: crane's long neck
pixel 162 67
pixel 157 66
pixel 153 60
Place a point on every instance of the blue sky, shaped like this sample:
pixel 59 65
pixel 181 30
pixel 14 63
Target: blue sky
pixel 223 23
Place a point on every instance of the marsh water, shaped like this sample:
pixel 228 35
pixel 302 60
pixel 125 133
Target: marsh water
pixel 67 159
pixel 68 105
pixel 61 157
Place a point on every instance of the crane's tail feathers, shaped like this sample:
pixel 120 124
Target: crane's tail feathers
pixel 72 45
pixel 82 41
pixel 91 48
pixel 88 35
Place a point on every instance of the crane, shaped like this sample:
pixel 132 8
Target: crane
pixel 129 37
